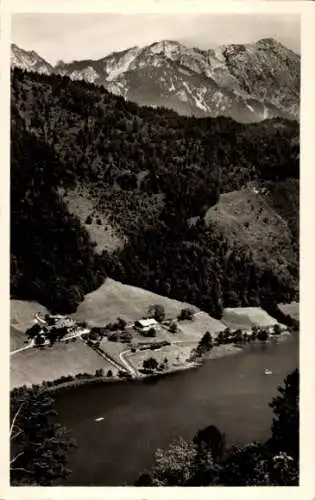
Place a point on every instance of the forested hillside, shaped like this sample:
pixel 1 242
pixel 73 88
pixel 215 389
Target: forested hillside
pixel 52 258
pixel 152 175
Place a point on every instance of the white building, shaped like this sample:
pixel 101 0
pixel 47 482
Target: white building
pixel 144 325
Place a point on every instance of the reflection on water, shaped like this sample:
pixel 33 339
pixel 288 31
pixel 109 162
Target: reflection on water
pixel 232 393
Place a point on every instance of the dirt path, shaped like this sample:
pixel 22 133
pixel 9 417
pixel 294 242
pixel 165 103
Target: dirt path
pixel 127 363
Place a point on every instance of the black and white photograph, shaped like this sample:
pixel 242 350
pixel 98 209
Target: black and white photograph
pixel 154 249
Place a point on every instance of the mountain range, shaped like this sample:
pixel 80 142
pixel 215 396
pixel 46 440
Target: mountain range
pixel 247 82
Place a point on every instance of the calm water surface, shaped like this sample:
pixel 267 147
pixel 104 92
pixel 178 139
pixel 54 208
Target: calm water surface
pixel 232 393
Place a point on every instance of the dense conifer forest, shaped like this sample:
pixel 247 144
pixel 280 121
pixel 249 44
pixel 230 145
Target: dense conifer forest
pixel 154 174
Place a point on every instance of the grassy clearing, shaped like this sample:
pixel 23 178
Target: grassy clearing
pixel 22 313
pixel 16 339
pixel 246 317
pixel 177 355
pixel 104 234
pixel 246 217
pixel 33 366
pixel 201 324
pixel 114 349
pixel 113 300
pixel 292 309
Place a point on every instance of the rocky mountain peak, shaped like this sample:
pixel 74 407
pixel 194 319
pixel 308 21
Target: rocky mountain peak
pixel 248 82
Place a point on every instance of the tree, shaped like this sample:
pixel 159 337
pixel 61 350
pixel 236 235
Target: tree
pixel 255 331
pixel 206 341
pixel 173 327
pixel 205 471
pixel 238 336
pixel 220 339
pixel 173 466
pixel 145 479
pixel 262 335
pixel 150 364
pixel 33 331
pixel 121 324
pixel 157 312
pixel 276 329
pixel 285 424
pixel 52 335
pixel 284 471
pixel 39 445
pixel 212 440
pixel 186 313
pixel 93 335
pixel 109 373
pixel 182 464
pixel 227 335
pixel 113 337
pixel 245 466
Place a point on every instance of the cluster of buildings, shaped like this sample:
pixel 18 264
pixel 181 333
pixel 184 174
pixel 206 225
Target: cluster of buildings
pixel 45 325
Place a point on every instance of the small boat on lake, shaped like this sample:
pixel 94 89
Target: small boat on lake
pixel 268 372
pixel 99 419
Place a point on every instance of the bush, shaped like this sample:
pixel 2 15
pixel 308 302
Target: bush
pixel 276 329
pixel 121 324
pixel 113 337
pixel 186 313
pixel 173 327
pixel 151 332
pixel 262 335
pixel 93 335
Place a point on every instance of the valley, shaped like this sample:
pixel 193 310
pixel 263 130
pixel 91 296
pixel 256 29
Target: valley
pixel 154 273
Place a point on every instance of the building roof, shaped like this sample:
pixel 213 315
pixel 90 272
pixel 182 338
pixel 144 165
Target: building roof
pixel 147 322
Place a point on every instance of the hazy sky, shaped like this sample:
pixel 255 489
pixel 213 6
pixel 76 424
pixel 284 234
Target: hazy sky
pixel 92 36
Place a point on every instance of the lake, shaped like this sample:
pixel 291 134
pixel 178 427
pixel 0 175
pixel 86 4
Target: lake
pixel 138 417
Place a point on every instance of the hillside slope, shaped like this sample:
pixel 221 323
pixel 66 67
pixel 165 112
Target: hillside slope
pixel 115 300
pixel 145 178
pixel 245 216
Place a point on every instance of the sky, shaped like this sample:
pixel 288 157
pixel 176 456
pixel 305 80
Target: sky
pixel 71 37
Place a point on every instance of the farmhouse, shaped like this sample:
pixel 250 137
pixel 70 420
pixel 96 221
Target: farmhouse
pixel 144 325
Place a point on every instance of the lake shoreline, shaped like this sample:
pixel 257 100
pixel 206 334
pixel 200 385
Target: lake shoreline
pixel 216 352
